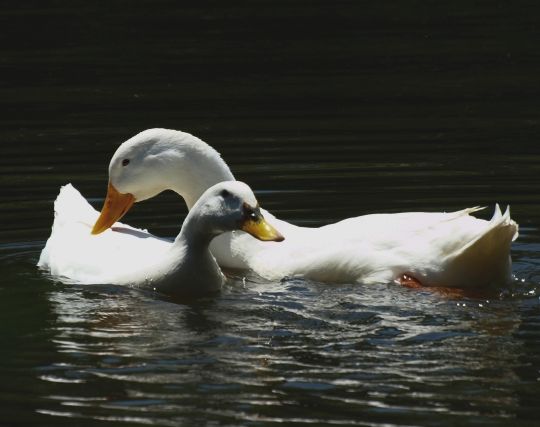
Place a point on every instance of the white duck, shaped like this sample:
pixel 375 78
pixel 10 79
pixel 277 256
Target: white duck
pixel 434 249
pixel 127 256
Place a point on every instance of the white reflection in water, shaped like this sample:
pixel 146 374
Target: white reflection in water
pixel 264 346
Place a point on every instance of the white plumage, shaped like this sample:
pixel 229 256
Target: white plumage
pixel 128 256
pixel 438 249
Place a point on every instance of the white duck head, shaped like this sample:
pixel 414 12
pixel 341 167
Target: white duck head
pixel 227 206
pixel 156 160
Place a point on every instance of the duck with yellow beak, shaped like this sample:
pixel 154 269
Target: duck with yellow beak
pixel 117 204
pixel 129 256
pixel 452 249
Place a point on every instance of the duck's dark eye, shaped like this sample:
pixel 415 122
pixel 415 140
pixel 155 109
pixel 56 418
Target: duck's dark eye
pixel 125 162
pixel 253 214
pixel 225 194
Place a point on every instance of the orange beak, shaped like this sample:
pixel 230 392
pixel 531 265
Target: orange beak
pixel 115 206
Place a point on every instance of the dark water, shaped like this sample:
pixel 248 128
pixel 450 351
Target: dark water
pixel 328 110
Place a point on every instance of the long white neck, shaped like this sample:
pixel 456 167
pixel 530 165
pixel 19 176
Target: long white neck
pixel 195 167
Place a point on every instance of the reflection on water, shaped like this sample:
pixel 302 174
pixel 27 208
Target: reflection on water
pixel 266 353
pixel 283 351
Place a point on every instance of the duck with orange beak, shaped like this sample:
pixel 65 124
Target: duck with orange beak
pixel 128 256
pixel 452 249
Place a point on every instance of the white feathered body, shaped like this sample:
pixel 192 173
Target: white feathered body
pixel 438 249
pixel 122 255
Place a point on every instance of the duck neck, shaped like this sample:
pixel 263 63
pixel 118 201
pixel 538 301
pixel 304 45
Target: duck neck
pixel 192 261
pixel 195 234
pixel 197 186
pixel 201 168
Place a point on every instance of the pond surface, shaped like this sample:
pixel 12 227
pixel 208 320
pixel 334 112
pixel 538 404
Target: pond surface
pixel 328 110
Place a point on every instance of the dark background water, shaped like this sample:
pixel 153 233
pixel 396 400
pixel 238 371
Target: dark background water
pixel 328 110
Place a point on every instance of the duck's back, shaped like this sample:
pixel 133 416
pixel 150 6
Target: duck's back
pixel 72 253
pixel 438 249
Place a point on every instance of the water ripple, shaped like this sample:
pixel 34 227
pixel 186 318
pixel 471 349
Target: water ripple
pixel 336 350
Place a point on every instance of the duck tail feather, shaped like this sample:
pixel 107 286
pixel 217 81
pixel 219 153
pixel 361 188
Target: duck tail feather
pixel 485 260
pixel 71 206
pixel 468 211
pixel 464 212
pixel 497 213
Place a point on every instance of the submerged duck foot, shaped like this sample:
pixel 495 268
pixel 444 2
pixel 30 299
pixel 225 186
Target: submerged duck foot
pixel 412 282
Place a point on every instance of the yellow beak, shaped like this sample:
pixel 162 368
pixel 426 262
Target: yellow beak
pixel 255 225
pixel 115 206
